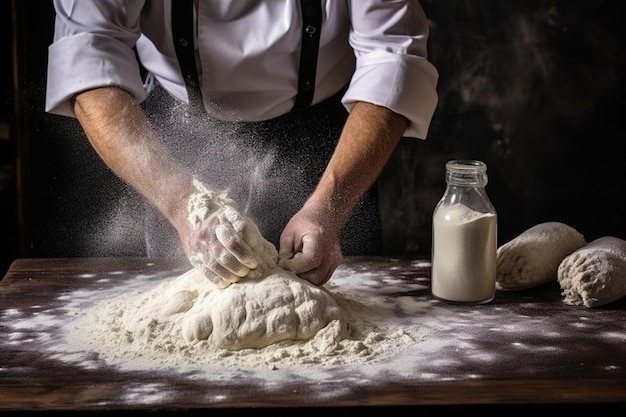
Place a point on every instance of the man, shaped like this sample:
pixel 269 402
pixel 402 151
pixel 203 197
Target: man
pixel 291 107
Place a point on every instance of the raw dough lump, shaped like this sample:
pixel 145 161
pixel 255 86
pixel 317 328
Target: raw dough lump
pixel 533 257
pixel 249 314
pixel 595 274
pixel 255 314
pixel 269 305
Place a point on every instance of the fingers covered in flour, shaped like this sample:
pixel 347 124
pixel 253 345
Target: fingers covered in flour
pixel 595 274
pixel 229 247
pixel 223 243
pixel 210 256
pixel 247 244
pixel 233 234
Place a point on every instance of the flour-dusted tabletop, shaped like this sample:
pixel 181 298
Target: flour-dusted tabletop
pixel 524 348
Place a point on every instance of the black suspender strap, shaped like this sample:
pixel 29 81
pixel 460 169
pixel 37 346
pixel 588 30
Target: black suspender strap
pixel 183 34
pixel 311 29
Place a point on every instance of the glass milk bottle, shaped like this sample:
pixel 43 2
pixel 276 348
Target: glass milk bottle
pixel 464 237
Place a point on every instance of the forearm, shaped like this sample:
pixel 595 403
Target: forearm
pixel 121 135
pixel 367 141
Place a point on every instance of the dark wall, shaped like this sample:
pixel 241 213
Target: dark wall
pixel 8 179
pixel 533 88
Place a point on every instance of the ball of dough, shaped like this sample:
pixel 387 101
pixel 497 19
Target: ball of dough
pixel 595 274
pixel 533 257
pixel 257 313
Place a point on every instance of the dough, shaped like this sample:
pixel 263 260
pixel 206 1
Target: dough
pixel 533 257
pixel 248 314
pixel 268 305
pixel 595 274
pixel 254 314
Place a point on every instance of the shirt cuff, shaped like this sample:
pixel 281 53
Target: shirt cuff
pixel 405 84
pixel 84 62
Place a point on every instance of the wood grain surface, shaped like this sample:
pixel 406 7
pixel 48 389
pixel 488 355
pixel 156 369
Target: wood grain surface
pixel 571 356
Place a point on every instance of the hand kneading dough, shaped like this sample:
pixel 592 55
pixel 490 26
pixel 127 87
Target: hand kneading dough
pixel 595 274
pixel 533 257
pixel 269 305
pixel 255 314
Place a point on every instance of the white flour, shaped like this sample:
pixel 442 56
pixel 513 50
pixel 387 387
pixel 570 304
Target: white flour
pixel 133 331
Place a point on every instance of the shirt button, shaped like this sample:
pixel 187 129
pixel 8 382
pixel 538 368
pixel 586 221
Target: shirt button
pixel 306 86
pixel 183 42
pixel 310 30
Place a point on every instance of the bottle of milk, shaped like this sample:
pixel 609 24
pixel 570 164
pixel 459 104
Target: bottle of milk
pixel 464 237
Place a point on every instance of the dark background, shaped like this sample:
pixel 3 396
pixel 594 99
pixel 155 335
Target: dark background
pixel 533 88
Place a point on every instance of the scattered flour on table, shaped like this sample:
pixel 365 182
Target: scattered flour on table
pixel 396 333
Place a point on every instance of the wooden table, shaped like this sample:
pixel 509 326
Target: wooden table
pixel 523 349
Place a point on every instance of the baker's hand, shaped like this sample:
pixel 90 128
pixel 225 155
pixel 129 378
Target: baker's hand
pixel 309 247
pixel 228 247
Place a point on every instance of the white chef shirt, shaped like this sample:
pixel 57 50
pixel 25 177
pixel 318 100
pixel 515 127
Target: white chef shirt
pixel 248 55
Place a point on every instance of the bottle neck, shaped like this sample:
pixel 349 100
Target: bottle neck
pixel 466 173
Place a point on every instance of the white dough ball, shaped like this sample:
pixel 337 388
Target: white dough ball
pixel 533 257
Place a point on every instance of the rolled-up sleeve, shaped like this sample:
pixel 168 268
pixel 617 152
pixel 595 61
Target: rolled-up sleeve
pixel 392 70
pixel 92 48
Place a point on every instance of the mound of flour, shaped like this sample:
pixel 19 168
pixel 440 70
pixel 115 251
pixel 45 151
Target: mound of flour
pixel 182 323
